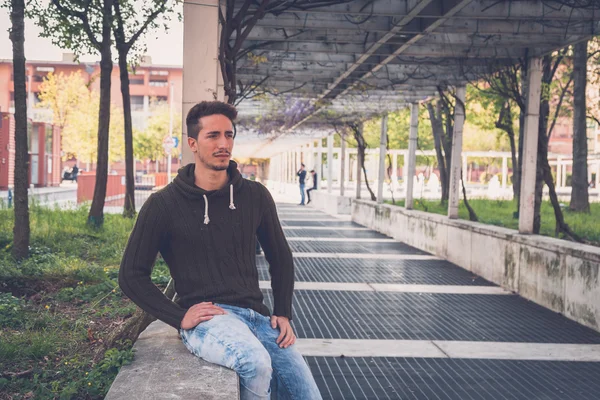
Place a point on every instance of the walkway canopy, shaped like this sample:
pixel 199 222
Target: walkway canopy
pixel 369 56
pixel 358 58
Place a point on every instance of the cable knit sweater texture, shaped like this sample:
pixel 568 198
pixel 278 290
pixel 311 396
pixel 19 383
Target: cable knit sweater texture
pixel 208 241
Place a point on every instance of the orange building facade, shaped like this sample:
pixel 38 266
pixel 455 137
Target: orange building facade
pixel 148 83
pixel 43 147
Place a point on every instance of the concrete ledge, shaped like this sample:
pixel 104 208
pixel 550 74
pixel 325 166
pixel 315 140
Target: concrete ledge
pixel 559 275
pixel 164 369
pixel 331 203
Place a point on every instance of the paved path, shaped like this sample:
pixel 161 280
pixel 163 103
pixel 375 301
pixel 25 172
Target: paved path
pixel 378 319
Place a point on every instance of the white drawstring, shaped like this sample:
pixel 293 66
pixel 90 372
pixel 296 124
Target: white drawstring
pixel 206 219
pixel 231 205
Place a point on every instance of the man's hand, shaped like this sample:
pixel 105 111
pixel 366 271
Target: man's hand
pixel 286 336
pixel 199 313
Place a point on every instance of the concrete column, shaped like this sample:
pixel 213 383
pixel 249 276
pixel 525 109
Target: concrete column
pixel 318 163
pixel 559 172
pixel 382 151
pixel 455 167
pixel 290 167
pixel 565 167
pixel 411 160
pixel 405 170
pixel 504 172
pixel 283 167
pixel 343 166
pixel 201 69
pixel 347 166
pixel 526 208
pixel 329 163
pixel 394 171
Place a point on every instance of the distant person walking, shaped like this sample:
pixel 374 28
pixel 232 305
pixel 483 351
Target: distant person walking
pixel 301 179
pixel 314 180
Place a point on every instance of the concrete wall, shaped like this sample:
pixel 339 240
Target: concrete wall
pixel 554 273
pixel 331 203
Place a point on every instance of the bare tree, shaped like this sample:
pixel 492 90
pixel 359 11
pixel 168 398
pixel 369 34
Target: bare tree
pixel 21 230
pixel 237 21
pixel 82 26
pixel 127 30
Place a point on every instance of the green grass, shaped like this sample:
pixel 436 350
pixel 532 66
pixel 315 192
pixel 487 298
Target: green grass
pixel 56 306
pixel 500 213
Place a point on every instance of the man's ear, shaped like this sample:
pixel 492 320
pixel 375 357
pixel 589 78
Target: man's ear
pixel 193 144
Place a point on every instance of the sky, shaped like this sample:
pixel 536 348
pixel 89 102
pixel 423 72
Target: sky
pixel 164 48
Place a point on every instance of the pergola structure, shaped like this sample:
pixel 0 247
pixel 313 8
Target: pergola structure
pixel 366 57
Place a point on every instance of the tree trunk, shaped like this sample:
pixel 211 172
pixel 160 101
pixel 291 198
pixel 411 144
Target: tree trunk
pixel 542 141
pixel 522 114
pixel 361 145
pixel 129 207
pixel 21 231
pixel 438 131
pixel 505 122
pixel 96 215
pixel 579 186
pixel 472 214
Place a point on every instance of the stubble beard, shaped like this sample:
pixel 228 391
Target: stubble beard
pixel 214 167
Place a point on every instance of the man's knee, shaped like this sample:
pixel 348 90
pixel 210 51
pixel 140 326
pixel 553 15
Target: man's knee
pixel 255 362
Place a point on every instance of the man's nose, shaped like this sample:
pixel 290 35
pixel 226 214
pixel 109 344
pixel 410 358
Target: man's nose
pixel 223 142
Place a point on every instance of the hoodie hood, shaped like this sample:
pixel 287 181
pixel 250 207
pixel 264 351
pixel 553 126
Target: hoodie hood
pixel 185 181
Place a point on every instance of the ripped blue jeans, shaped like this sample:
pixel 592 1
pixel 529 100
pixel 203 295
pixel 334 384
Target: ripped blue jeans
pixel 244 341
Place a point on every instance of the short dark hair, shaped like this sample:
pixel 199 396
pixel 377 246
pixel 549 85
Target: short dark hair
pixel 204 109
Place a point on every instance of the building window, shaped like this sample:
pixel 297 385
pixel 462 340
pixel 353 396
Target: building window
pixel 38 78
pixel 161 73
pixel 161 99
pixel 137 103
pixel 136 80
pixel 158 83
pixel 12 100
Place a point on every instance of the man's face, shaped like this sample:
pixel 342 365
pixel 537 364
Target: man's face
pixel 215 142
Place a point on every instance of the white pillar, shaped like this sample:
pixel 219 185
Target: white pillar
pixel 558 172
pixel 405 168
pixel 329 163
pixel 382 150
pixel 283 167
pixel 201 69
pixel 412 154
pixel 343 166
pixel 394 171
pixel 527 203
pixel 504 172
pixel 455 167
pixel 318 163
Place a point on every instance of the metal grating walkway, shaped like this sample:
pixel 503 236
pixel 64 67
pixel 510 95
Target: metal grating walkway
pixel 477 321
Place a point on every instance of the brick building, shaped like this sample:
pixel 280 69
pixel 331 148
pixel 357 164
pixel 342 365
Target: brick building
pixel 147 83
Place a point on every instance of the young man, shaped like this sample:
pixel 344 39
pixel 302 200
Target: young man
pixel 205 224
pixel 314 181
pixel 301 178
